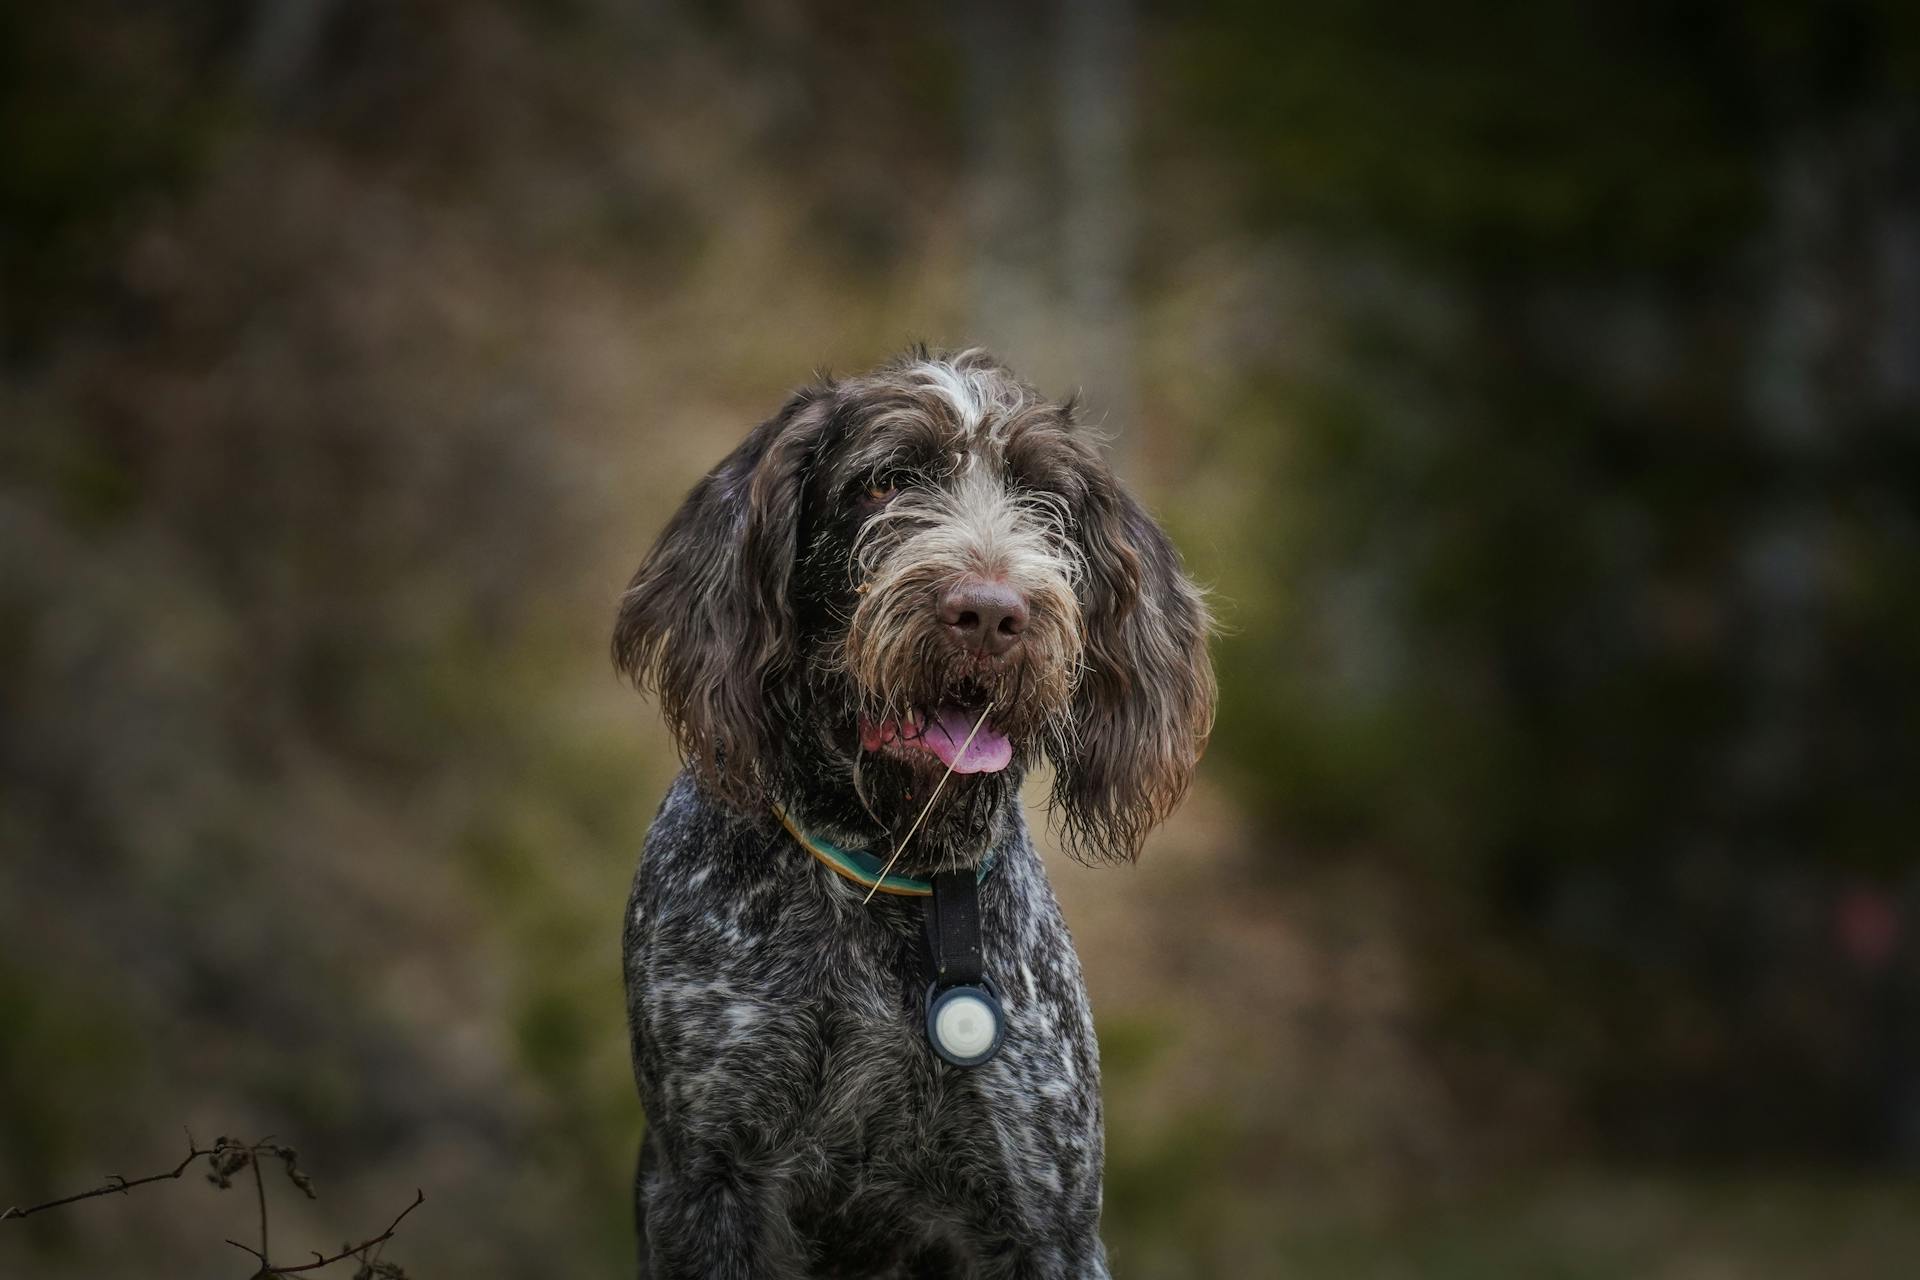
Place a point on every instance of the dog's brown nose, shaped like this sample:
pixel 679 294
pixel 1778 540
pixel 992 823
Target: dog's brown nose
pixel 984 616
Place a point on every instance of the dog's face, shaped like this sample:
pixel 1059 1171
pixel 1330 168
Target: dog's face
pixel 898 563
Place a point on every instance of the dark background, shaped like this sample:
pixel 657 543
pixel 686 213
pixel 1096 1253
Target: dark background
pixel 1536 386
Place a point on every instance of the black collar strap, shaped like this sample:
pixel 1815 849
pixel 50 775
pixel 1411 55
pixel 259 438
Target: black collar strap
pixel 965 1023
pixel 953 929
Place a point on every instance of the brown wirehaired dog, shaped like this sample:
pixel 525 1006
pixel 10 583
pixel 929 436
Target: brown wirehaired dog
pixel 864 626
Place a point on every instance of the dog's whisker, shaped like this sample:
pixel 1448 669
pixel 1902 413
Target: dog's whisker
pixel 860 787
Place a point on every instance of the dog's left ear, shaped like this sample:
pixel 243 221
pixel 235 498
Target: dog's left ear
pixel 708 618
pixel 1144 705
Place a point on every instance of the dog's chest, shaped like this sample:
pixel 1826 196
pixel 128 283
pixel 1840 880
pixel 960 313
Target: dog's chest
pixel 892 1124
pixel 779 1025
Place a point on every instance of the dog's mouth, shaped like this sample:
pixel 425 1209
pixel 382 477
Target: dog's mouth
pixel 941 733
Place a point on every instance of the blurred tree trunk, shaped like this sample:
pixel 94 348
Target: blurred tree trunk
pixel 1896 273
pixel 285 41
pixel 1007 223
pixel 1795 424
pixel 1050 212
pixel 1098 48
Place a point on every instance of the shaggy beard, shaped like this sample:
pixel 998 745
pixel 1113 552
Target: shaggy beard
pixel 899 661
pixel 856 679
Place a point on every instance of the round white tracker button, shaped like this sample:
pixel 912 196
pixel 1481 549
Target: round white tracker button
pixel 965 1025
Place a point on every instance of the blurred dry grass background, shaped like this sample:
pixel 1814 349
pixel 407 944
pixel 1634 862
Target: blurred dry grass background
pixel 1537 389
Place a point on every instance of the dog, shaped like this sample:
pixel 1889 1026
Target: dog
pixel 864 627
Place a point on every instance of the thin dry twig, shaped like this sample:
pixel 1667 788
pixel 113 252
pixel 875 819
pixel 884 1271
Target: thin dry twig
pixel 116 1183
pixel 354 1251
pixel 928 808
pixel 260 1190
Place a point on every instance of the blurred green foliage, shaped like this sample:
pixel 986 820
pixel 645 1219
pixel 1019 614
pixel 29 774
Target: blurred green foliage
pixel 1586 605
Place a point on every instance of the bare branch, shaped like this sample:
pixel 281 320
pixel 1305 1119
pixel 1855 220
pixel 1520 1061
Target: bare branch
pixel 116 1183
pixel 354 1251
pixel 247 1248
pixel 226 1158
pixel 260 1190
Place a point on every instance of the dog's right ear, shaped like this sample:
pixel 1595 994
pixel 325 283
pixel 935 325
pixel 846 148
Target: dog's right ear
pixel 708 618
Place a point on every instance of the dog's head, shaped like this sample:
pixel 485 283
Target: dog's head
pixel 896 561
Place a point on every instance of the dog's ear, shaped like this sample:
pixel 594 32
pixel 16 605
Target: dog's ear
pixel 708 619
pixel 1144 704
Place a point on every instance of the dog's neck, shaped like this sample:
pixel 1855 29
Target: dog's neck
pixel 955 835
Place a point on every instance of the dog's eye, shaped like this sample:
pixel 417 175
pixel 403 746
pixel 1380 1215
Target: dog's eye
pixel 881 492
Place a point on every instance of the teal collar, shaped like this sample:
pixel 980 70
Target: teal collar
pixel 864 868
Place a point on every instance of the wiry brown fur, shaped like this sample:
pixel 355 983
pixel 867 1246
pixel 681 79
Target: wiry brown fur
pixel 1144 707
pixel 707 621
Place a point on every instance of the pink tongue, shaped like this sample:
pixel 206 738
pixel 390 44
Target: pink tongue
pixel 989 752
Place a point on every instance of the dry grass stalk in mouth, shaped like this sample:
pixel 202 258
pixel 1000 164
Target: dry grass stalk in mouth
pixel 907 839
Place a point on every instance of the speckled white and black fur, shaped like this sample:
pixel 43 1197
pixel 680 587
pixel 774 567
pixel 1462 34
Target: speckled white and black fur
pixel 798 1122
